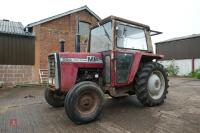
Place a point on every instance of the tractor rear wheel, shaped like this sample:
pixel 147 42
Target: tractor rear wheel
pixel 53 98
pixel 84 102
pixel 151 84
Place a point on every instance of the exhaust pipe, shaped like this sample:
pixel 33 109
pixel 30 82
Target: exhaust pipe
pixel 62 45
pixel 77 41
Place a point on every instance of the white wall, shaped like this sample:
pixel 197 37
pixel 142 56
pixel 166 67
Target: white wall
pixel 185 66
pixel 197 64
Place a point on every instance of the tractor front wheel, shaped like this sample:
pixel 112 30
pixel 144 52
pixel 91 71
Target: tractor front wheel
pixel 53 98
pixel 151 84
pixel 84 102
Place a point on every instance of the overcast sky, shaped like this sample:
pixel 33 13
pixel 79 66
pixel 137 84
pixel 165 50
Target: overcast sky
pixel 174 18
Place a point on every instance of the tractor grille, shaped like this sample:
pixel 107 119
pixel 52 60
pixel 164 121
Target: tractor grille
pixel 52 66
pixel 53 70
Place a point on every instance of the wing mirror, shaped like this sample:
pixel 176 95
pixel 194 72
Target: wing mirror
pixel 118 32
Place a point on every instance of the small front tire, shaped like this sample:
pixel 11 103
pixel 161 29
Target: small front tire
pixel 53 99
pixel 84 102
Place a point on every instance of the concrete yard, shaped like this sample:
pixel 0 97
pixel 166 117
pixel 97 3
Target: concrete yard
pixel 24 110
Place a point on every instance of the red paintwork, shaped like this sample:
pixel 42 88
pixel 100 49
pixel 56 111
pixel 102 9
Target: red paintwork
pixel 137 56
pixel 69 69
pixel 112 66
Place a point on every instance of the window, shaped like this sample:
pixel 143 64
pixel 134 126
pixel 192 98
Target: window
pixel 84 29
pixel 101 38
pixel 123 63
pixel 131 37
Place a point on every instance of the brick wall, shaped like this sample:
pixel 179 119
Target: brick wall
pixel 16 74
pixel 48 35
pixel 46 41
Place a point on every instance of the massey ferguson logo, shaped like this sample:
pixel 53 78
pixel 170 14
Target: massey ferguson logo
pixel 90 59
pixel 93 59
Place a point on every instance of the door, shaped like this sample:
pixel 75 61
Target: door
pixel 123 66
pixel 128 37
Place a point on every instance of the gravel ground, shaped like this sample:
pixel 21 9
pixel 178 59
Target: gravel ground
pixel 24 110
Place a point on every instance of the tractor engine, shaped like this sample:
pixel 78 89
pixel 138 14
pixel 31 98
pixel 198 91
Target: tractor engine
pixel 89 75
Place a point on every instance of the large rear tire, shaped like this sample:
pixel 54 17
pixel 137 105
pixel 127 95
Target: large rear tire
pixel 53 99
pixel 151 84
pixel 84 102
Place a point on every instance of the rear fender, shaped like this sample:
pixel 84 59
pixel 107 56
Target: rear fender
pixel 139 58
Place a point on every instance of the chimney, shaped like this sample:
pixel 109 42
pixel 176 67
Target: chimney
pixel 62 45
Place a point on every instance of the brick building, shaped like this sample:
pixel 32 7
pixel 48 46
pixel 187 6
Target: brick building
pixel 49 31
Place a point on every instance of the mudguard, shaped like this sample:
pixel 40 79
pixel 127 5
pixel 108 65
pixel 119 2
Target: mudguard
pixel 137 57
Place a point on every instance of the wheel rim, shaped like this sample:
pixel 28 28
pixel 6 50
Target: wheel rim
pixel 87 103
pixel 156 85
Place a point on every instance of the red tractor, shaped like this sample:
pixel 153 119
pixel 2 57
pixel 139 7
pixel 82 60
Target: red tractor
pixel 119 62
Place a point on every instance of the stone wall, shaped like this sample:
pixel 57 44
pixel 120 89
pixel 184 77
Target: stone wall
pixel 16 74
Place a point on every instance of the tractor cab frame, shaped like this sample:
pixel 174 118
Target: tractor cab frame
pixel 123 44
pixel 112 28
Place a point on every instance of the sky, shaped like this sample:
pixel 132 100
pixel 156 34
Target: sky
pixel 175 18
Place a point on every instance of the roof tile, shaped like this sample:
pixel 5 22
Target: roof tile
pixel 10 27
